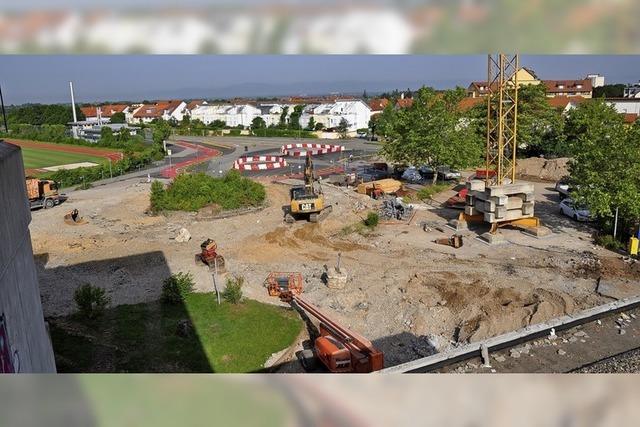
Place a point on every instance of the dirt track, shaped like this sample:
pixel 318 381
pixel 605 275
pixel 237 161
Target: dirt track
pixel 406 293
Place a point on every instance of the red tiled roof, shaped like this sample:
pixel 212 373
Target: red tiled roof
pixel 105 110
pixel 567 86
pixel 630 118
pixel 468 103
pixel 156 110
pixel 378 104
pixel 404 102
pixel 195 103
pixel 562 101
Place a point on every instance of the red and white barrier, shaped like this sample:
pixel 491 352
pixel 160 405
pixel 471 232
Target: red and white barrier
pixel 301 149
pixel 256 163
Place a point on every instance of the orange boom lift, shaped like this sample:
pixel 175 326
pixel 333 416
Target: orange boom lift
pixel 338 348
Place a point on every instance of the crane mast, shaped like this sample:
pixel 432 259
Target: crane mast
pixel 502 118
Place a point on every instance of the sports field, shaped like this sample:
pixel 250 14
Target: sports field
pixel 36 158
pixel 39 155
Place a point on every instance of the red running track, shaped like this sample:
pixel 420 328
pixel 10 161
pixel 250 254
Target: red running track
pixel 204 154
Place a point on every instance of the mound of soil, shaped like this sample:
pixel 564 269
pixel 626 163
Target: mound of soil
pixel 543 169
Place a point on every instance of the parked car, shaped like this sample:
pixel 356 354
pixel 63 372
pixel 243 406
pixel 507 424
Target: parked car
pixel 569 208
pixel 426 171
pixel 412 175
pixel 447 174
pixel 563 189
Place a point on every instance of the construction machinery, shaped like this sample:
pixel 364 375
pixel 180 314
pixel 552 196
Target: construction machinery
pixel 307 201
pixel 209 256
pixel 43 193
pixel 339 349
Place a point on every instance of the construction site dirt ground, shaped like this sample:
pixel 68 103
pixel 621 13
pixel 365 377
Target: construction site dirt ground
pixel 410 296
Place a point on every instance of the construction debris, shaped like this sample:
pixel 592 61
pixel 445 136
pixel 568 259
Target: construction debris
pixel 386 186
pixel 183 236
pixel 335 278
pixel 395 208
pixel 74 218
pixel 454 241
pixel 500 202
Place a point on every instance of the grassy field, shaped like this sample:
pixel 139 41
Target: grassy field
pixel 35 158
pixel 143 338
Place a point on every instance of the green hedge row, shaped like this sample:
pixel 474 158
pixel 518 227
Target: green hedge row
pixel 192 192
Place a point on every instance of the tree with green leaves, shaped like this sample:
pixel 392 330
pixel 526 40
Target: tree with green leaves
pixel 540 126
pixel 294 118
pixel 319 126
pixel 118 118
pixel 431 131
pixel 343 128
pixel 124 135
pixel 609 91
pixel 161 131
pixel 283 117
pixel 106 135
pixel 41 114
pixel 606 155
pixel 312 123
pixel 258 123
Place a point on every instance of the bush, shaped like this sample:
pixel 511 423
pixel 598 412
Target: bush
pixel 609 242
pixel 372 220
pixel 192 192
pixel 233 291
pixel 157 196
pixel 91 301
pixel 176 287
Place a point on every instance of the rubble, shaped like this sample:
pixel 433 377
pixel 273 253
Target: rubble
pixel 183 236
pixel 395 208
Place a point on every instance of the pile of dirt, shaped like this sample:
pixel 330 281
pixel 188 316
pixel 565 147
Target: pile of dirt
pixel 544 169
pixel 476 310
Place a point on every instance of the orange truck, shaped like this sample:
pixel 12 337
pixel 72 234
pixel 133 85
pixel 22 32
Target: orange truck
pixel 43 193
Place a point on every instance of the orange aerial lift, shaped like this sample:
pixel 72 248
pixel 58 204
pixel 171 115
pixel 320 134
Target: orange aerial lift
pixel 338 348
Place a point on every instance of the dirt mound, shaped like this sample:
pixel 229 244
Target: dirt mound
pixel 544 169
pixel 479 311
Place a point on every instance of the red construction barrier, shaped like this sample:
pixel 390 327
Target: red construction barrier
pixel 254 163
pixel 301 149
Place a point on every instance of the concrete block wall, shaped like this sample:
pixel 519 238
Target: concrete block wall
pixel 23 332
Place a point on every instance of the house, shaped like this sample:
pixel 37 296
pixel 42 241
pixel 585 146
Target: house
pixel 378 105
pixel 92 130
pixel 581 88
pixel 404 103
pixel 632 91
pixel 524 75
pixel 625 105
pixel 232 115
pixel 271 113
pixel 355 111
pixel 104 112
pixel 566 103
pixel 193 104
pixel 165 110
pixel 630 119
pixel 597 80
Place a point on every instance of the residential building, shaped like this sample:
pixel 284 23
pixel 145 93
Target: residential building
pixel 378 105
pixel 581 88
pixel 632 91
pixel 92 131
pixel 356 112
pixel 231 115
pixel 566 103
pixel 165 110
pixel 597 80
pixel 625 105
pixel 103 113
pixel 524 75
pixel 404 103
pixel 271 112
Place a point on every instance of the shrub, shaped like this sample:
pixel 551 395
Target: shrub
pixel 192 192
pixel 609 242
pixel 176 287
pixel 157 198
pixel 233 291
pixel 372 220
pixel 91 301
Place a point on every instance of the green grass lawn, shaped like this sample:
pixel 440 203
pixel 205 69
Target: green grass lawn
pixel 143 338
pixel 35 158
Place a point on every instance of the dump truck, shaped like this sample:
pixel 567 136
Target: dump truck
pixel 43 193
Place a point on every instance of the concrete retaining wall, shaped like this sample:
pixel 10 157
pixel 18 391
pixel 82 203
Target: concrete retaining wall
pixel 22 328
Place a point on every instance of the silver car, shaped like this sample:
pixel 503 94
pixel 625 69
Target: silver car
pixel 570 209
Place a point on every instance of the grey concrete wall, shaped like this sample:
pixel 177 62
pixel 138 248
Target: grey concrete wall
pixel 27 338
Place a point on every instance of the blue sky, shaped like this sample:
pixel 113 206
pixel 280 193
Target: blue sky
pixel 121 77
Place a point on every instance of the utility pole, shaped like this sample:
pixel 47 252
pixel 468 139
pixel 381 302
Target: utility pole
pixel 74 130
pixel 4 113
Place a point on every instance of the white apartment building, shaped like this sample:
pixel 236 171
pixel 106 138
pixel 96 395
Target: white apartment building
pixel 356 112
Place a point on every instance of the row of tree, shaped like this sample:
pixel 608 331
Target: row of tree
pixel 605 152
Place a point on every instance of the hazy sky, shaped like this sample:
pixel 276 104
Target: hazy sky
pixel 121 77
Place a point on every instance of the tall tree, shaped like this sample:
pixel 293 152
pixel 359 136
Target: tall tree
pixel 606 154
pixel 283 117
pixel 294 118
pixel 431 131
pixel 118 118
pixel 343 128
pixel 258 123
pixel 312 123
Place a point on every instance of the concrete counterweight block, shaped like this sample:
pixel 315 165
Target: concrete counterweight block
pixel 336 279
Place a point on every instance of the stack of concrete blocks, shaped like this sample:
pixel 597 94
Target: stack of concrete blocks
pixel 500 203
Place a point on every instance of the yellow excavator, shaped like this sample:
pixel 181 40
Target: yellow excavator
pixel 307 201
